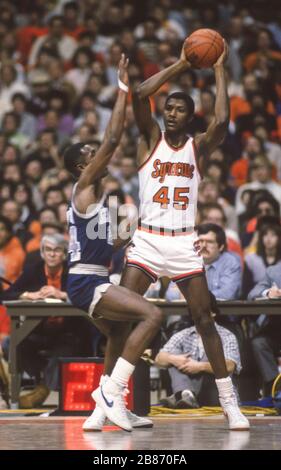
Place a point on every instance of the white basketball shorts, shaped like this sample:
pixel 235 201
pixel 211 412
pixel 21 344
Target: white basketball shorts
pixel 160 255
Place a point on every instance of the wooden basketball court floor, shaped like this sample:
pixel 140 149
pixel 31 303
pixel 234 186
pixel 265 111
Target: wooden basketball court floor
pixel 168 433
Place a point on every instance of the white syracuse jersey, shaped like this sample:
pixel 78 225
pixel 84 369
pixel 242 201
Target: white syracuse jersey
pixel 169 181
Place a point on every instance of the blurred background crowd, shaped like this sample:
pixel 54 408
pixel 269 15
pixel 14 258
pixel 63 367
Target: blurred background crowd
pixel 58 84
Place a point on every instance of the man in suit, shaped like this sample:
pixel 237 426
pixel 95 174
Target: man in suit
pixel 266 341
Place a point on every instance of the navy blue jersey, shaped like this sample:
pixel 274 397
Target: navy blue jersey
pixel 90 239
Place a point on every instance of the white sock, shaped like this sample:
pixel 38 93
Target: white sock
pixel 225 387
pixel 122 372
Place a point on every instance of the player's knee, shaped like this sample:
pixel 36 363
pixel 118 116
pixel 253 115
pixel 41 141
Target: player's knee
pixel 156 316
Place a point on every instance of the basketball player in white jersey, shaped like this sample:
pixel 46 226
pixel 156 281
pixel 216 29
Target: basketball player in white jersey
pixel 165 242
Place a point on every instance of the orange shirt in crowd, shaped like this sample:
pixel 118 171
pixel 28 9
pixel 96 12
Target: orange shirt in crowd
pixel 55 280
pixel 239 172
pixel 240 106
pixel 33 244
pixel 26 37
pixel 251 60
pixel 12 257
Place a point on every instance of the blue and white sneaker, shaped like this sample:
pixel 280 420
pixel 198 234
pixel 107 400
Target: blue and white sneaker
pixel 110 398
pixel 97 420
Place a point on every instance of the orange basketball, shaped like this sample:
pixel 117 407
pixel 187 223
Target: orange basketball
pixel 203 48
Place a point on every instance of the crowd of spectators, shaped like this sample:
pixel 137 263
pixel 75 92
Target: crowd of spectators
pixel 58 84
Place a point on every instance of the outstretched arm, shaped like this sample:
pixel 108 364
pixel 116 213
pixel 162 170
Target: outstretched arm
pixel 217 129
pixel 97 165
pixel 147 126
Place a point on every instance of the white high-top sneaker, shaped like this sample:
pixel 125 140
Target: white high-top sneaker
pixel 229 404
pixel 110 397
pixel 139 421
pixel 98 419
pixel 236 420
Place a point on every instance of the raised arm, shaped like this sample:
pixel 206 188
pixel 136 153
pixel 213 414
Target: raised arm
pixel 95 169
pixel 217 129
pixel 149 128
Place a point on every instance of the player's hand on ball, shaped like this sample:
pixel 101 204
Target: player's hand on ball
pixel 183 57
pixel 223 57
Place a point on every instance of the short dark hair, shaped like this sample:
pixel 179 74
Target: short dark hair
pixel 270 199
pixel 202 229
pixel 180 95
pixel 55 225
pixel 19 96
pixel 208 206
pixel 71 157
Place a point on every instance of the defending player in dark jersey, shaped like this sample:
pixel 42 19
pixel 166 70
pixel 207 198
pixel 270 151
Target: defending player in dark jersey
pixel 90 253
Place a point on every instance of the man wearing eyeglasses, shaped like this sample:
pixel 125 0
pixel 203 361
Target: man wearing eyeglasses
pixel 48 278
pixel 223 269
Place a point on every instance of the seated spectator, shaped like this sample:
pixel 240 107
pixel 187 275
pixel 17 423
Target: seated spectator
pixel 81 71
pixel 267 212
pixel 239 170
pixel 217 171
pixel 246 123
pixel 193 382
pixel 11 252
pixel 268 253
pixel 46 149
pixel 57 335
pixel 223 269
pixel 54 196
pixel 27 120
pixel 22 194
pixel 72 26
pixel 11 172
pixel 13 211
pixel 33 246
pixel 209 193
pixel 128 178
pixel 272 149
pixel 264 49
pixel 9 86
pixel 66 45
pixel 258 204
pixel 213 213
pixel 266 338
pixel 260 178
pixel 11 127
